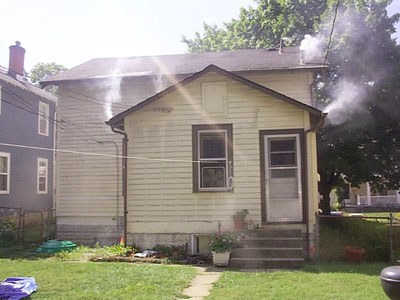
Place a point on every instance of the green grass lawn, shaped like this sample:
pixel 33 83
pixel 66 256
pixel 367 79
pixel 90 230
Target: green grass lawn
pixel 313 282
pixel 377 214
pixel 88 280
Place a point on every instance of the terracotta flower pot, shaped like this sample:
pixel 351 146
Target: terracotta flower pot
pixel 221 259
pixel 354 254
pixel 239 223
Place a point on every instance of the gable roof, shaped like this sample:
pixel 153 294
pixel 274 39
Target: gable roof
pixel 118 119
pixel 233 61
pixel 20 82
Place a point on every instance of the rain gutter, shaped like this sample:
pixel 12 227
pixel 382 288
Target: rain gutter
pixel 124 177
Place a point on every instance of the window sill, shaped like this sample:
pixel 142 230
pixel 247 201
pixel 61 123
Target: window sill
pixel 214 191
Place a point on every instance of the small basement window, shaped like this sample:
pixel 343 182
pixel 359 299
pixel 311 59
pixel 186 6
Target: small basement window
pixel 199 243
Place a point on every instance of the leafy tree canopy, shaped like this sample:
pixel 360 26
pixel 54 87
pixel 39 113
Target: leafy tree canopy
pixel 261 27
pixel 43 70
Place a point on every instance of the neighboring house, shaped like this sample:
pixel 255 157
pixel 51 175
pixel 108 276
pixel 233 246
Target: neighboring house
pixel 208 134
pixel 26 173
pixel 364 195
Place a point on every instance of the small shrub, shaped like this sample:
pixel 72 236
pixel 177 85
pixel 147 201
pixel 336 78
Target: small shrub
pixel 120 250
pixel 171 252
pixel 7 231
pixel 337 206
pixel 223 242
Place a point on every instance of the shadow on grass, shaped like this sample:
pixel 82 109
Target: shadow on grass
pixel 22 251
pixel 373 269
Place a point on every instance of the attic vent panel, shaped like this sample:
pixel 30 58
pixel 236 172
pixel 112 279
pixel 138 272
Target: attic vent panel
pixel 214 97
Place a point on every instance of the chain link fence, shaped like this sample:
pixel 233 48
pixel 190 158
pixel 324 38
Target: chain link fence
pixel 378 235
pixel 24 226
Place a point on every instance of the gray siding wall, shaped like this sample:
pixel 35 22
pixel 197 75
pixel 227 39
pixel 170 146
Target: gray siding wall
pixel 19 125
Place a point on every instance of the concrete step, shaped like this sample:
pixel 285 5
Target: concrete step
pixel 271 233
pixel 266 263
pixel 295 242
pixel 267 253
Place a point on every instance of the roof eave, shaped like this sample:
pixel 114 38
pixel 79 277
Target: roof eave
pixel 310 67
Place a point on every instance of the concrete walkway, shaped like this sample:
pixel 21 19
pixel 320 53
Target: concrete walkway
pixel 202 283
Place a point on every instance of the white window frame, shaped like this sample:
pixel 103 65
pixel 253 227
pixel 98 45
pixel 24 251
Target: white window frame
pixel 8 173
pixel 46 161
pixel 1 95
pixel 298 168
pixel 44 112
pixel 207 160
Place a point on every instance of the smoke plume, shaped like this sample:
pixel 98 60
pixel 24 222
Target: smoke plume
pixel 113 88
pixel 353 38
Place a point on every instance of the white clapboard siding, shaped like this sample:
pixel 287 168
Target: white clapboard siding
pixel 162 191
pixel 87 185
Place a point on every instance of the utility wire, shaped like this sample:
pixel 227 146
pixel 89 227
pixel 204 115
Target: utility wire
pixel 53 121
pixel 105 155
pixel 332 29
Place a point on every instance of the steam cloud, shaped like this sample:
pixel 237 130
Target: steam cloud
pixel 113 88
pixel 312 47
pixel 348 95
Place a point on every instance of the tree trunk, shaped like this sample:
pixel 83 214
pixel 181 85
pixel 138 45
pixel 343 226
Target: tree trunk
pixel 325 189
pixel 325 203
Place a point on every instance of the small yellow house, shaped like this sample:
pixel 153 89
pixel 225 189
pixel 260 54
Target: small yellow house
pixel 211 145
pixel 203 136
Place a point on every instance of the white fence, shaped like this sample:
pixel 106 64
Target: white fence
pixel 376 200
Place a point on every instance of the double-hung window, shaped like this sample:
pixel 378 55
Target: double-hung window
pixel 212 155
pixel 42 178
pixel 43 120
pixel 4 173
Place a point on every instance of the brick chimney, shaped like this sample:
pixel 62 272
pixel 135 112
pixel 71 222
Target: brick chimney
pixel 17 55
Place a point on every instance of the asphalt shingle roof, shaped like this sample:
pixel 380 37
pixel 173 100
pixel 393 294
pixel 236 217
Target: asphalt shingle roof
pixel 232 61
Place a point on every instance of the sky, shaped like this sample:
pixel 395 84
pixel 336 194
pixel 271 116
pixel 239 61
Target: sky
pixel 70 32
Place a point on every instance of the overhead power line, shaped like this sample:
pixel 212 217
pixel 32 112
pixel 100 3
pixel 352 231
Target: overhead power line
pixel 104 154
pixel 332 30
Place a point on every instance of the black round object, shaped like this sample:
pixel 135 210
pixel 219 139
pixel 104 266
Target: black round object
pixel 390 280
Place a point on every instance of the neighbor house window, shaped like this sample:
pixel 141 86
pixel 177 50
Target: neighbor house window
pixel 42 171
pixel 0 98
pixel 43 123
pixel 212 156
pixel 4 173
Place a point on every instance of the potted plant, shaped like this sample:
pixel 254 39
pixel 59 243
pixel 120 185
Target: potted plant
pixel 221 246
pixel 354 254
pixel 239 217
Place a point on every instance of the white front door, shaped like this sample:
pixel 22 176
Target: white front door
pixel 283 191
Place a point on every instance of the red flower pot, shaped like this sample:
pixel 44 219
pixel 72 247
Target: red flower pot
pixel 354 254
pixel 239 223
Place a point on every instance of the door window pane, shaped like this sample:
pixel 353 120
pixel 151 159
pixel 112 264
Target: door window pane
pixel 284 173
pixel 283 159
pixel 282 152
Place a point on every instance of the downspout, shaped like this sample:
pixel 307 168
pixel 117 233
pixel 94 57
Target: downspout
pixel 317 126
pixel 312 129
pixel 124 177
